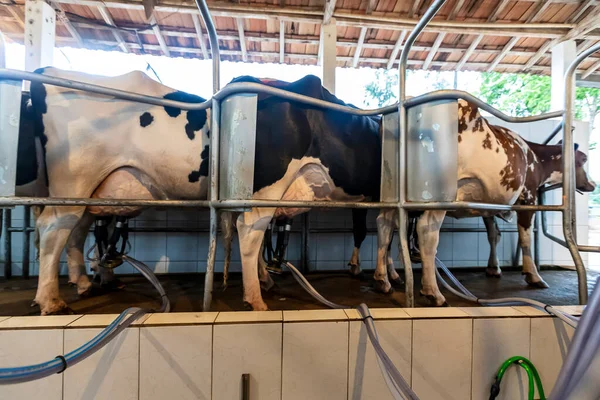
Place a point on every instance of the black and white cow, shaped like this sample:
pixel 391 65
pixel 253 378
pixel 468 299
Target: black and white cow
pixel 96 146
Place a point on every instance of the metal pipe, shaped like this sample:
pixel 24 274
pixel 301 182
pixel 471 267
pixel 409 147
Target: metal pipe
pixel 569 221
pixel 554 132
pixel 536 240
pixel 6 235
pixel 26 241
pixel 305 242
pixel 459 94
pixel 2 51
pixel 213 194
pixel 402 107
pixel 214 43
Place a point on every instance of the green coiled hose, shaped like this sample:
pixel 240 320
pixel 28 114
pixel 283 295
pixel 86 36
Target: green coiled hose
pixel 532 375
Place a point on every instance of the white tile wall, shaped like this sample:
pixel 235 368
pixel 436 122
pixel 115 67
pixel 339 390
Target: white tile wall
pixel 494 341
pixel 112 373
pixel 441 367
pixel 315 361
pixel 364 377
pixel 247 348
pixel 175 362
pixel 308 355
pixel 22 347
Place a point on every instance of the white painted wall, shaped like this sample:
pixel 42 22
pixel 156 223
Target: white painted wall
pixel 186 252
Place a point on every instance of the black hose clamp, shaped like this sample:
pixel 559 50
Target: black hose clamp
pixel 64 364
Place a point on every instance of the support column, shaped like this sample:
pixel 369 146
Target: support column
pixel 329 54
pixel 562 55
pixel 40 27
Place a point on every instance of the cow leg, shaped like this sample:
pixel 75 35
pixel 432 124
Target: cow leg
pixel 55 225
pixel 532 277
pixel 266 282
pixel 428 230
pixel 37 211
pixel 385 230
pixel 493 234
pixel 359 230
pixel 75 259
pixel 393 275
pixel 251 228
pixel 227 232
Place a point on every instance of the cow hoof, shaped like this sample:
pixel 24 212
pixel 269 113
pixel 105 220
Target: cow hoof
pixel 58 307
pixel 493 272
pixel 397 283
pixel 360 276
pixel 383 287
pixel 415 258
pixel 258 307
pixel 541 284
pixel 433 301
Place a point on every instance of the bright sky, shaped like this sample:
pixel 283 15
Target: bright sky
pixel 194 76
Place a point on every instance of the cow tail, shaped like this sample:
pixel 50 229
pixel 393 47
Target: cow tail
pixel 227 231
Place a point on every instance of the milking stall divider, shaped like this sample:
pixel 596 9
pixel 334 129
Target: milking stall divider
pixel 420 132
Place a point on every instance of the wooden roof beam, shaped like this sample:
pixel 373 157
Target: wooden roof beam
pixel 65 21
pixel 539 10
pixel 500 6
pixel 361 41
pixel 463 60
pixel 592 21
pixel 591 70
pixel 159 37
pixel 582 8
pixel 200 36
pixel 281 41
pixel 329 10
pixel 11 10
pixel 440 37
pixel 415 7
pixel 240 27
pixel 371 6
pixel 108 19
pixel 396 49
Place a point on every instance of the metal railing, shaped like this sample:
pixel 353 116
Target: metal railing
pixel 214 203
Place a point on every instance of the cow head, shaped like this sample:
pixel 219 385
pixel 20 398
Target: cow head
pixel 582 180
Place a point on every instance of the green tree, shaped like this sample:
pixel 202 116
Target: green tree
pixel 523 95
pixel 383 90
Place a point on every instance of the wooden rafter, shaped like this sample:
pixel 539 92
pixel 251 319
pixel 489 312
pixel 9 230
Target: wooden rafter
pixel 200 35
pixel 361 41
pixel 440 37
pixel 329 10
pixel 371 6
pixel 65 21
pixel 108 19
pixel 159 37
pixel 240 27
pixel 582 8
pixel 281 42
pixel 13 12
pixel 591 69
pixel 463 60
pixel 396 49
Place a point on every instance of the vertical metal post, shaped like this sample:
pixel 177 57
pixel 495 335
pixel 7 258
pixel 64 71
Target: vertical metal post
pixel 213 175
pixel 305 242
pixel 26 240
pixel 402 213
pixel 536 239
pixel 40 28
pixel 569 212
pixel 329 63
pixel 214 43
pixel 6 234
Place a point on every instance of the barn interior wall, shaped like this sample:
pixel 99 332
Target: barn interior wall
pixel 186 252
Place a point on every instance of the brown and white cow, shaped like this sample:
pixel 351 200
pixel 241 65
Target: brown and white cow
pixel 495 165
